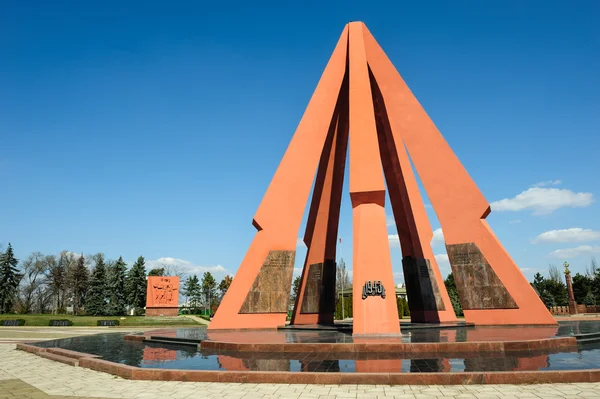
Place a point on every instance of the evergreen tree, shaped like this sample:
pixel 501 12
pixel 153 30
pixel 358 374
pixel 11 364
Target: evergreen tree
pixel 558 290
pixel 78 280
pixel 9 279
pixel 295 289
pixel 137 286
pixel 116 288
pixel 193 290
pixel 209 290
pixel 157 272
pixel 596 282
pixel 347 305
pixel 582 285
pixel 400 306
pixel 95 301
pixel 547 298
pixel 453 294
pixel 455 300
pixel 589 299
pixel 224 284
pixel 538 282
pixel 405 308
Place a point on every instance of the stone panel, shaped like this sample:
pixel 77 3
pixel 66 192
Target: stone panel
pixel 421 286
pixel 319 294
pixel 270 292
pixel 162 292
pixel 312 292
pixel 477 284
pixel 152 312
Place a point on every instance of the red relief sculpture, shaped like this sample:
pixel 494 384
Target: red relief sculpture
pixel 162 297
pixel 361 103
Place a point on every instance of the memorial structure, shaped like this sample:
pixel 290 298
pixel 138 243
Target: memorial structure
pixel 162 296
pixel 361 102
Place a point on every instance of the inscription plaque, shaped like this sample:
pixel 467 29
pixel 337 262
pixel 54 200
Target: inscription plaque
pixel 270 291
pixel 60 323
pixel 312 293
pixel 319 292
pixel 373 288
pixel 107 323
pixel 421 285
pixel 477 284
pixel 12 323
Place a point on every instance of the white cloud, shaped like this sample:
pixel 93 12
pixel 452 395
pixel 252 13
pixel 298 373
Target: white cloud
pixel 300 242
pixel 529 272
pixel 443 264
pixel 568 253
pixel 398 277
pixel 544 200
pixel 297 272
pixel 548 183
pixel 394 240
pixel 514 221
pixel 442 259
pixel 574 234
pixel 438 237
pixel 184 266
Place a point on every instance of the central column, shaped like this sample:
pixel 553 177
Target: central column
pixel 374 297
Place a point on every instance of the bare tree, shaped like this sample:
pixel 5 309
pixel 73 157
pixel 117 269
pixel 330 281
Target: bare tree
pixel 35 293
pixel 555 273
pixel 57 279
pixel 593 268
pixel 173 270
pixel 342 281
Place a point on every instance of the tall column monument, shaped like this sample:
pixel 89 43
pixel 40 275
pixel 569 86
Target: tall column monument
pixel 363 107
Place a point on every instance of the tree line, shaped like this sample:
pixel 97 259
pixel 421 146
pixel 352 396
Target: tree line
pixel 201 295
pixel 48 283
pixel 551 289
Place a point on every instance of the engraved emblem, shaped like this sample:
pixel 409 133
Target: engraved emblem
pixel 373 288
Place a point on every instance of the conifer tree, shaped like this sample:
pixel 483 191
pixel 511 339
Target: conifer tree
pixel 9 279
pixel 136 286
pixel 95 301
pixel 209 288
pixel 116 289
pixel 78 278
pixel 224 284
pixel 193 290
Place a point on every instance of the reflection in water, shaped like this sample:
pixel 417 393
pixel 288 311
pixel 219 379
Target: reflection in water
pixel 113 347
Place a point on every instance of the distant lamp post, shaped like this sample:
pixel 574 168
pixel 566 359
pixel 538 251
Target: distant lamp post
pixel 572 303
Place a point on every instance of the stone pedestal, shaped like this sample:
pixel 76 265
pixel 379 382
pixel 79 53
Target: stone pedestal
pixel 152 312
pixel 572 303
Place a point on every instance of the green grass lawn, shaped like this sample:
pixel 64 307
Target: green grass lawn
pixel 32 320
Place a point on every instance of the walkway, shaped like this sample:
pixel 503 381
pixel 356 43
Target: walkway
pixel 23 375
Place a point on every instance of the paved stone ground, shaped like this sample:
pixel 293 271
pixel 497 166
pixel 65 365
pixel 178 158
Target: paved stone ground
pixel 23 375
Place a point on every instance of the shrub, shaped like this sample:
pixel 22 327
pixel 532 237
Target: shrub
pixel 12 322
pixel 60 322
pixel 108 323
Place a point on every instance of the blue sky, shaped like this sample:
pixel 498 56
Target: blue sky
pixel 151 128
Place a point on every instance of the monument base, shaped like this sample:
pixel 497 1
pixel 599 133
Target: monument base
pixel 152 312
